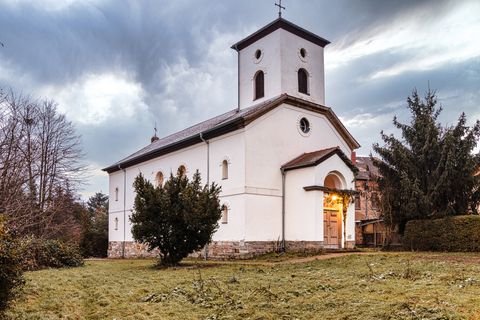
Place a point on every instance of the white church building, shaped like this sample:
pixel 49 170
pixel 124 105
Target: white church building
pixel 281 157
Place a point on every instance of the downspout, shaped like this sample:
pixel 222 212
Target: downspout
pixel 208 177
pixel 124 209
pixel 238 78
pixel 283 208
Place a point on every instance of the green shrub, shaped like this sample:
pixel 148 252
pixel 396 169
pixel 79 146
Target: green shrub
pixel 457 233
pixel 11 279
pixel 94 242
pixel 39 253
pixel 178 218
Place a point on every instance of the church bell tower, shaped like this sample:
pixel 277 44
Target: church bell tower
pixel 280 58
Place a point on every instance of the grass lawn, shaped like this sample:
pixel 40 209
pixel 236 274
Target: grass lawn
pixel 378 286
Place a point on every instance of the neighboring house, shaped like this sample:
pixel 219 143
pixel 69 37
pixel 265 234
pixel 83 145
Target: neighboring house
pixel 370 229
pixel 281 157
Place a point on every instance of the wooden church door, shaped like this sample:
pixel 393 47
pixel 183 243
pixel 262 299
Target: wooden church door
pixel 331 226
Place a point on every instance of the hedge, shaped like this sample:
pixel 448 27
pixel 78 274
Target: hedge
pixel 40 253
pixel 457 233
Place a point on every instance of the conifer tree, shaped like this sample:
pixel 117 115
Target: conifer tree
pixel 177 218
pixel 94 239
pixel 430 172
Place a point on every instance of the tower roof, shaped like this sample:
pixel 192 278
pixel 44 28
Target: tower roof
pixel 285 25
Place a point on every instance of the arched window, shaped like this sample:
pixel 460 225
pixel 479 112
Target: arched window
pixel 224 169
pixel 303 81
pixel 116 194
pixel 224 214
pixel 259 85
pixel 182 171
pixel 116 223
pixel 159 179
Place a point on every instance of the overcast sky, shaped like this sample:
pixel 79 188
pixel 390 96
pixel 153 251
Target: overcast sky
pixel 115 67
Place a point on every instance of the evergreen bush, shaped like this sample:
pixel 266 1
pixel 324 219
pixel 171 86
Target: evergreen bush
pixel 178 218
pixel 457 233
pixel 11 278
pixel 94 240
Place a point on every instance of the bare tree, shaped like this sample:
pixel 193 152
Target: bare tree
pixel 40 159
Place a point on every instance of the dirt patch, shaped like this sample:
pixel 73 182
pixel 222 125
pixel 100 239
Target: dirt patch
pixel 294 260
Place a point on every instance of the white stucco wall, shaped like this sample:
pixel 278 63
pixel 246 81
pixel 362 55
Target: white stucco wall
pixel 269 63
pixel 303 218
pixel 275 139
pixel 263 217
pixel 229 147
pixel 280 61
pixel 234 230
pixel 292 61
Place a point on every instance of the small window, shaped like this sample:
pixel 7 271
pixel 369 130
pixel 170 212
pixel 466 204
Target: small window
pixel 116 223
pixel 224 169
pixel 259 85
pixel 159 179
pixel 116 194
pixel 303 52
pixel 304 125
pixel 374 200
pixel 258 54
pixel 358 205
pixel 303 81
pixel 182 171
pixel 224 214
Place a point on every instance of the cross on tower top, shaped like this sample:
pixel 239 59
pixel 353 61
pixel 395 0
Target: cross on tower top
pixel 280 7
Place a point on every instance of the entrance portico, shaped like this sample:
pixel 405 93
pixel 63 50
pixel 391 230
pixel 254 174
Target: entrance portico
pixel 318 189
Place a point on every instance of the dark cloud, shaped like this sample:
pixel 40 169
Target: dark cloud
pixel 58 46
pixel 177 53
pixel 387 97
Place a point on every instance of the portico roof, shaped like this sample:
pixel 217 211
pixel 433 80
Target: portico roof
pixel 311 159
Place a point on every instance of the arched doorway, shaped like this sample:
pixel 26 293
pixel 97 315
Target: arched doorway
pixel 332 211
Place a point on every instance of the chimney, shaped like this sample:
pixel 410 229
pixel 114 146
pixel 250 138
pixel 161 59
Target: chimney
pixel 354 157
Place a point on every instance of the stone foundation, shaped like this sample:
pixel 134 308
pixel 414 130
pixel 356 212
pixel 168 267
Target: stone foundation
pixel 304 246
pixel 218 249
pixel 116 249
pixel 350 244
pixel 239 249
